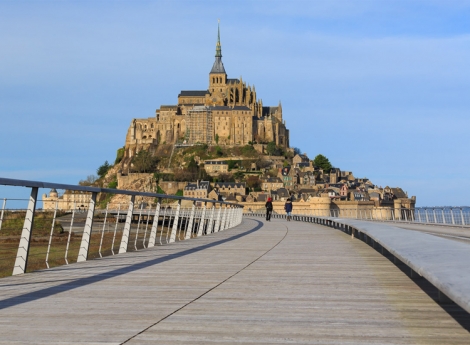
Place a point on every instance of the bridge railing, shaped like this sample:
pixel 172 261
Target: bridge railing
pixel 457 216
pixel 76 229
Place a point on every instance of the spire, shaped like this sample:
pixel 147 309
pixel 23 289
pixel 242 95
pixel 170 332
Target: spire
pixel 218 47
pixel 218 66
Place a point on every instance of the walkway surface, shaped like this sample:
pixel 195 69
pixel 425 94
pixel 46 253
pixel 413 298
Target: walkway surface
pixel 273 283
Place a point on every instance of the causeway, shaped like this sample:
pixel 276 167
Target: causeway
pixel 261 282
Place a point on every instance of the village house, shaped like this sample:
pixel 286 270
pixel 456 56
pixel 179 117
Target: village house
pixel 199 189
pixel 227 188
pixel 271 183
pixel 216 167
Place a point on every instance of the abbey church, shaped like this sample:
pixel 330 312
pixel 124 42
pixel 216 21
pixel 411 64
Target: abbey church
pixel 227 113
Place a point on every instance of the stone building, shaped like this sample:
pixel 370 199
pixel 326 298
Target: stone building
pixel 200 189
pixel 228 112
pixel 68 201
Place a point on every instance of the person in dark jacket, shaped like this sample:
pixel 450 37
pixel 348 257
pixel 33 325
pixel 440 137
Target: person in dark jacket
pixel 288 208
pixel 269 209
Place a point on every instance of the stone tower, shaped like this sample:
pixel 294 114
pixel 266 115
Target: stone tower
pixel 218 77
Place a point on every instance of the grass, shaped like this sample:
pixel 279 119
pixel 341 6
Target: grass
pixel 39 243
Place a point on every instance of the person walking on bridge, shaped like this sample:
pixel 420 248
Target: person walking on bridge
pixel 269 209
pixel 288 208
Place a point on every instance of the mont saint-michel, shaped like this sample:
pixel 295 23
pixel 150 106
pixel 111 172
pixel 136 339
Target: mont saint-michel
pixel 222 143
pixel 227 113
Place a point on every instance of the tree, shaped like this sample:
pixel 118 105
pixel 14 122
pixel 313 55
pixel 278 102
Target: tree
pixel 217 139
pixel 90 179
pixel 223 177
pixel 271 148
pixel 297 151
pixel 144 162
pixel 253 182
pixel 322 162
pixel 103 169
pixel 231 164
pixel 193 166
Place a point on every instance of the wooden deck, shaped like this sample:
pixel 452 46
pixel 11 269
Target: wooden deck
pixel 274 283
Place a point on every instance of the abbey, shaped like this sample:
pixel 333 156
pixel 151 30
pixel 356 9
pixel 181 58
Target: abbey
pixel 227 113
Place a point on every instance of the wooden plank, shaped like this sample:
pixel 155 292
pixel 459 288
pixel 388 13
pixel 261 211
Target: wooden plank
pixel 288 282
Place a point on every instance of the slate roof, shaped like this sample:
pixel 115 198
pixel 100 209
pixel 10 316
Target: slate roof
pixel 218 66
pixel 215 162
pixel 230 184
pixel 194 186
pixel 269 110
pixel 238 107
pixel 282 192
pixel 193 93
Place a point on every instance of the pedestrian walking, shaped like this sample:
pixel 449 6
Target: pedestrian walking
pixel 269 209
pixel 288 208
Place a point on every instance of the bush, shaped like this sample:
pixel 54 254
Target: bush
pixel 119 155
pixel 179 192
pixel 144 162
pixel 113 184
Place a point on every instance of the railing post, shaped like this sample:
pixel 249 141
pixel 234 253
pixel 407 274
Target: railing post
pixel 232 216
pixel 115 227
pixel 434 215
pixel 201 222
pixel 224 218
pixel 52 233
pixel 175 223
pixel 85 245
pixel 463 218
pixel 452 216
pixel 3 210
pixel 210 226
pixel 102 232
pixel 153 231
pixel 189 229
pixel 443 216
pixel 218 220
pixel 127 227
pixel 21 260
pixel 426 214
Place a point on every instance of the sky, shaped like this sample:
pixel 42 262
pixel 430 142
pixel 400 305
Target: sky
pixel 381 88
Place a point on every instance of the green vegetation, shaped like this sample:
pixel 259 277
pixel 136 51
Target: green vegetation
pixel 103 169
pixel 13 222
pixel 271 148
pixel 179 192
pixel 160 190
pixel 119 155
pixel 322 162
pixel 144 162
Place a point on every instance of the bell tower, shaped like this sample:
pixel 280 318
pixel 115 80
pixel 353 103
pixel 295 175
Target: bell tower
pixel 217 75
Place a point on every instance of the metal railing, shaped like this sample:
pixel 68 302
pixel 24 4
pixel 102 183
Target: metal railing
pixel 115 229
pixel 456 216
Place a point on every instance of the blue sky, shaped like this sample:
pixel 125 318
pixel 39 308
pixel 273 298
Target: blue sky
pixel 381 88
